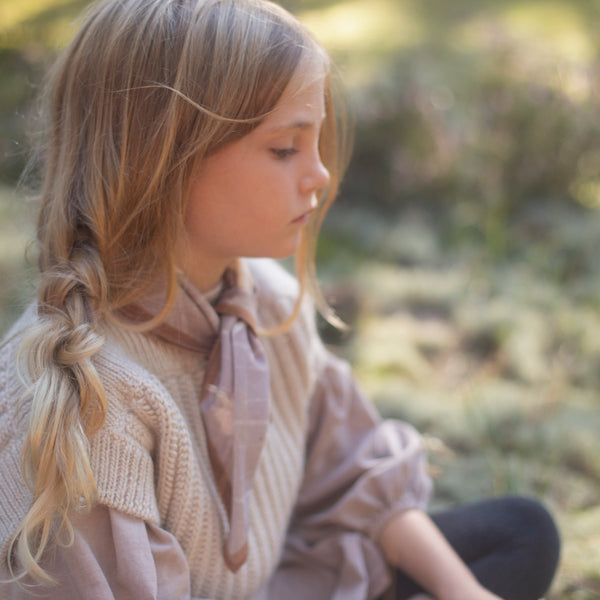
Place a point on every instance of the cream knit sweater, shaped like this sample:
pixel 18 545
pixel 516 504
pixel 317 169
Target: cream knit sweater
pixel 150 458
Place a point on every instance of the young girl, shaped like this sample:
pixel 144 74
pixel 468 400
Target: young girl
pixel 170 424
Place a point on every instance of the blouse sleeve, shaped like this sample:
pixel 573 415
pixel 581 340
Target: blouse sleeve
pixel 115 557
pixel 360 471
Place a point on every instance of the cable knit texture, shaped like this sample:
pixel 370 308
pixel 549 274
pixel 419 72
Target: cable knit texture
pixel 150 458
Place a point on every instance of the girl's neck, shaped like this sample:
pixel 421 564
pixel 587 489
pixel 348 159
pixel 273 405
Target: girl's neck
pixel 204 274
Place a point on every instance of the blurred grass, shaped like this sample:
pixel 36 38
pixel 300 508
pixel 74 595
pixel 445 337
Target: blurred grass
pixel 16 270
pixel 463 248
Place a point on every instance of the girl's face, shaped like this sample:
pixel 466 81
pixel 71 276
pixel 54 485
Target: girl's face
pixel 253 197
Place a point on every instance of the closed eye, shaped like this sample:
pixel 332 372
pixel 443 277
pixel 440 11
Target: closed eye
pixel 283 152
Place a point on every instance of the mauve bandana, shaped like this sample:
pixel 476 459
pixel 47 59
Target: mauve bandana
pixel 236 389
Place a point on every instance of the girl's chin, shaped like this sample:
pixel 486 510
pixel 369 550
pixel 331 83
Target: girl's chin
pixel 277 254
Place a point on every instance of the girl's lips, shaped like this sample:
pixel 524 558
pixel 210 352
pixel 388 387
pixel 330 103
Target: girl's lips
pixel 302 219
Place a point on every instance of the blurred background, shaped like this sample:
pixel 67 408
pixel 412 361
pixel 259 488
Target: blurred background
pixel 464 248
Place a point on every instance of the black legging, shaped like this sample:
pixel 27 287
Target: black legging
pixel 511 545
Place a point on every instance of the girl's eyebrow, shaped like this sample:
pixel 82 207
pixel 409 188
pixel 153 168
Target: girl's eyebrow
pixel 300 123
pixel 295 125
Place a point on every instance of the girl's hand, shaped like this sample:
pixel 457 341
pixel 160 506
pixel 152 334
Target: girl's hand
pixel 474 594
pixel 472 591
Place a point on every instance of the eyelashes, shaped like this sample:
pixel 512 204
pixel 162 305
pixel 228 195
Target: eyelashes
pixel 283 152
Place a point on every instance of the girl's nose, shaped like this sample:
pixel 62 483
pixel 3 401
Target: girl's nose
pixel 316 179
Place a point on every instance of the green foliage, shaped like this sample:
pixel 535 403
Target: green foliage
pixel 17 91
pixel 30 33
pixel 486 134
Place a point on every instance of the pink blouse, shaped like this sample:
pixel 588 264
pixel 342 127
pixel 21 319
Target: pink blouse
pixel 115 556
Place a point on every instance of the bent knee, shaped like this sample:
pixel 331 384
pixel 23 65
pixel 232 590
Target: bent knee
pixel 531 517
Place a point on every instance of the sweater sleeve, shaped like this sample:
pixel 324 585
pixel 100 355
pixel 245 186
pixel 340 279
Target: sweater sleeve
pixel 115 556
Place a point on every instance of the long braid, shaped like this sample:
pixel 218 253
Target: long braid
pixel 68 405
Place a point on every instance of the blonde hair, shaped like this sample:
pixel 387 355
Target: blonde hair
pixel 146 90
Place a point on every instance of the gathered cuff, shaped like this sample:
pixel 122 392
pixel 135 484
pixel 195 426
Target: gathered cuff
pixel 403 505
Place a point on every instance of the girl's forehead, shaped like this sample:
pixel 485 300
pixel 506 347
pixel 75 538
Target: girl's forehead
pixel 300 110
pixel 304 95
pixel 311 71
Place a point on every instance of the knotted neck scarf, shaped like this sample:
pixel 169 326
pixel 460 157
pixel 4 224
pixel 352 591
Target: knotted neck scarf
pixel 234 399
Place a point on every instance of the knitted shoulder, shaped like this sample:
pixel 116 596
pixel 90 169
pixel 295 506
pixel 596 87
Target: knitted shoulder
pixel 13 414
pixel 11 342
pixel 14 419
pixel 130 387
pixel 143 425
